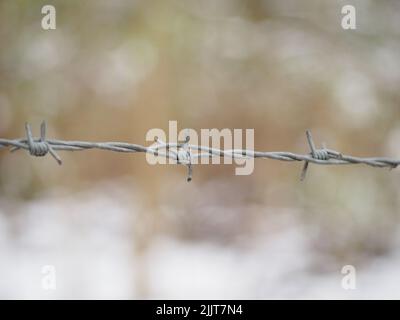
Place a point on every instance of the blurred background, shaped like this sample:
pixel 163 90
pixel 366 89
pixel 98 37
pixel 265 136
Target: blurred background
pixel 114 226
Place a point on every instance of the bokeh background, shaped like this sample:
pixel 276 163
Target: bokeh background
pixel 114 226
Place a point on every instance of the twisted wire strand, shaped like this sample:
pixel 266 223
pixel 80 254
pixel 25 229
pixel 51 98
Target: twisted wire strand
pixel 181 152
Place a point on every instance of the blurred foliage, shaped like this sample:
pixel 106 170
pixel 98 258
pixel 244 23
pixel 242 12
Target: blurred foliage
pixel 112 70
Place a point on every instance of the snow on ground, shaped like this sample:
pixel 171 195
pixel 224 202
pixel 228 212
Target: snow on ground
pixel 88 239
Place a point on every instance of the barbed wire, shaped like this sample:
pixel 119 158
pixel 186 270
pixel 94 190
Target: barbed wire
pixel 182 152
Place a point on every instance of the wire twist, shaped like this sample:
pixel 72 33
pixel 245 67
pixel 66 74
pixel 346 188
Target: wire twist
pixel 182 152
pixel 38 148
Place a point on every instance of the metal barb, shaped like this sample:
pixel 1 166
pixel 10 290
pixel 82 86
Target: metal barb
pixel 318 154
pixel 187 155
pixel 311 143
pixel 312 147
pixel 190 167
pixel 41 147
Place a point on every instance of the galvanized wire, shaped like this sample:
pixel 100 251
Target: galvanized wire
pixel 182 153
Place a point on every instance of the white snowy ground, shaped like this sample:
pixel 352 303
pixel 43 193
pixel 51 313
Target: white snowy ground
pixel 87 238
